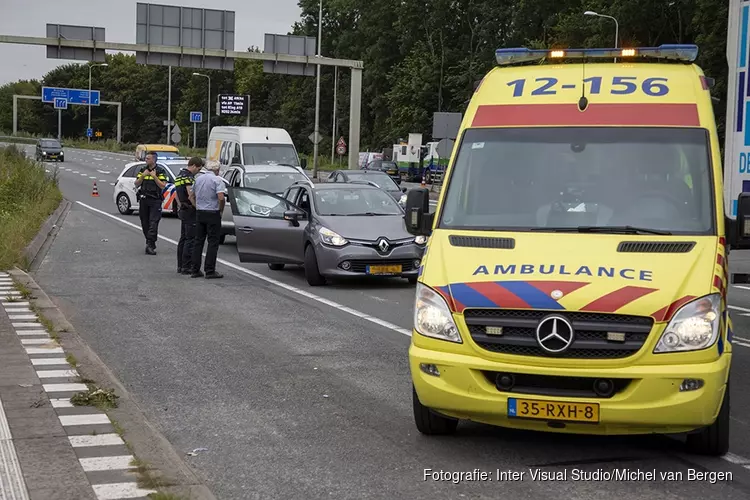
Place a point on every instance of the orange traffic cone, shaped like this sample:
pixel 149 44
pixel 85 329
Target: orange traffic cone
pixel 95 191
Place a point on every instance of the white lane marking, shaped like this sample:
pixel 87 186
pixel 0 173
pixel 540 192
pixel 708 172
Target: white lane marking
pixel 740 338
pixel 61 403
pixel 98 440
pixel 106 463
pixel 735 459
pixel 14 304
pixel 28 325
pixel 65 387
pixel 272 281
pixel 743 344
pixel 742 287
pixel 22 317
pixel 56 373
pixel 38 342
pixel 98 159
pixel 739 309
pixel 49 361
pixel 103 171
pixel 12 485
pixel 31 333
pixel 75 171
pixel 115 491
pixel 90 419
pixel 84 175
pixel 111 183
pixel 102 180
pixel 92 177
pixel 44 350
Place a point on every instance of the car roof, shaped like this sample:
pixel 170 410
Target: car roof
pixel 343 185
pixel 367 172
pixel 268 169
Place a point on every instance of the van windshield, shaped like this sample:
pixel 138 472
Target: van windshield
pixel 552 179
pixel 269 154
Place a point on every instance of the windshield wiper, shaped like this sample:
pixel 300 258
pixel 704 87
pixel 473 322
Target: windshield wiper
pixel 604 230
pixel 369 214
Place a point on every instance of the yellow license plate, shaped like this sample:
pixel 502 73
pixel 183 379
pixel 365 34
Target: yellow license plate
pixel 384 269
pixel 553 410
pixel 391 172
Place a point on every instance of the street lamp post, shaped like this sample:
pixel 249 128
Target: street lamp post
pixel 317 94
pixel 91 66
pixel 617 25
pixel 208 109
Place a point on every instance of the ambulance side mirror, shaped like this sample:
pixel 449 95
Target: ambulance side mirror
pixel 740 237
pixel 417 214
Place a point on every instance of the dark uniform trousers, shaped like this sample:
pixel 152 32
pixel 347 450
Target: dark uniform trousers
pixel 187 238
pixel 150 213
pixel 208 225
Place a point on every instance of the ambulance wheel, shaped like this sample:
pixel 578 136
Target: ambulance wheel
pixel 430 423
pixel 714 439
pixel 312 271
pixel 123 204
pixel 276 267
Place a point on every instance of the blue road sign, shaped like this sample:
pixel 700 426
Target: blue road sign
pixel 196 116
pixel 89 132
pixel 61 103
pixel 73 96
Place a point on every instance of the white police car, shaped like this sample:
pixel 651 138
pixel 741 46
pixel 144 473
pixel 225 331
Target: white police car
pixel 124 192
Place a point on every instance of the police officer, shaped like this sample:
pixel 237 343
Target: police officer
pixel 151 181
pixel 184 186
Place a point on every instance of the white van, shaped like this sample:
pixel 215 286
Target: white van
pixel 252 146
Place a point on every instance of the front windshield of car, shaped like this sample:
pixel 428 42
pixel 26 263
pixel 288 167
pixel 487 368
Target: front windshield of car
pixel 355 201
pixel 549 178
pixel 51 144
pixel 274 182
pixel 269 154
pixel 175 168
pixel 382 180
pixel 386 165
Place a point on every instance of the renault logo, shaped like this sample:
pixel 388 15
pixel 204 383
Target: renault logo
pixel 383 245
pixel 554 334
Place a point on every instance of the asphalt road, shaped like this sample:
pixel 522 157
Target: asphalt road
pixel 305 393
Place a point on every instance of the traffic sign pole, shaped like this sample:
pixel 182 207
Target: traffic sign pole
pixel 195 128
pixel 59 124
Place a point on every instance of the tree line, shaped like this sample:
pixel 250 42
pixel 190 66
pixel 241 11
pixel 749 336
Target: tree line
pixel 420 56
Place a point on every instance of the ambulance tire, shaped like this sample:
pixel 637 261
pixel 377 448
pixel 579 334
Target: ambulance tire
pixel 714 439
pixel 429 422
pixel 312 271
pixel 276 267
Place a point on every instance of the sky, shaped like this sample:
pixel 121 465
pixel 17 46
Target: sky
pixel 253 18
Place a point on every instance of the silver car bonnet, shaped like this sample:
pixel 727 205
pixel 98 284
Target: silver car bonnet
pixel 367 227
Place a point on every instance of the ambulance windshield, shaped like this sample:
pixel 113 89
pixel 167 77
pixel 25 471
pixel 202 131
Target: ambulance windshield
pixel 547 179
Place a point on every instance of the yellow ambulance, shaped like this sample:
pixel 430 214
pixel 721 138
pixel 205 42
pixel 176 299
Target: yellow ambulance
pixel 576 272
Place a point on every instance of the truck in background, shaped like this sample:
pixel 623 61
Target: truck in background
pixel 737 143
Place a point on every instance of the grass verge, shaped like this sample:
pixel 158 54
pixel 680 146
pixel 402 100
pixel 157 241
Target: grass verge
pixel 28 195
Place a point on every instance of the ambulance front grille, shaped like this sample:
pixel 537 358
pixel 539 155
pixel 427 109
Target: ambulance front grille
pixel 597 335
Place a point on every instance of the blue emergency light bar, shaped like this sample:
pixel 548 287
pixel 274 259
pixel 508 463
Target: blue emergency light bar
pixel 685 53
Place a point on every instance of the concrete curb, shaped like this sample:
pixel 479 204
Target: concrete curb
pixel 147 443
pixel 32 249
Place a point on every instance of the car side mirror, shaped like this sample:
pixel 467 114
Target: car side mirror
pixel 303 163
pixel 417 215
pixel 403 190
pixel 293 216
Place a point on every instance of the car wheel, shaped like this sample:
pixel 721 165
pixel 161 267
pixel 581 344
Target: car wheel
pixel 312 272
pixel 62 160
pixel 276 267
pixel 123 204
pixel 222 239
pixel 714 439
pixel 412 280
pixel 429 422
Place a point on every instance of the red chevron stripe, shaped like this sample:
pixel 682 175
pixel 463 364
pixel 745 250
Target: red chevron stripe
pixel 618 299
pixel 718 283
pixel 565 287
pixel 666 313
pixel 720 260
pixel 722 241
pixel 448 298
pixel 499 295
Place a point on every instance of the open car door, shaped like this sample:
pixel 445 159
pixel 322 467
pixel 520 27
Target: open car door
pixel 268 228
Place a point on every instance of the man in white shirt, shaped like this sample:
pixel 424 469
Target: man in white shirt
pixel 208 198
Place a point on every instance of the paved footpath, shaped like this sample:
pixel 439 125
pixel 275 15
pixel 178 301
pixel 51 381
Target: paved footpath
pixel 50 449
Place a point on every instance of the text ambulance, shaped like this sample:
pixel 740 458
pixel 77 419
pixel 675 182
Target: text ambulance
pixel 576 273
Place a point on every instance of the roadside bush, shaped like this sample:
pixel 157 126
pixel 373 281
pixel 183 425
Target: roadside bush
pixel 28 195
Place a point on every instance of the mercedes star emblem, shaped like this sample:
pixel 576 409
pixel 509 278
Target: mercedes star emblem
pixel 383 245
pixel 554 334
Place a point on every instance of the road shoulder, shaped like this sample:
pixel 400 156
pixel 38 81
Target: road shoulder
pixel 65 451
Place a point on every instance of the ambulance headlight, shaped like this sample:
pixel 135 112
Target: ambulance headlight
pixel 694 327
pixel 432 316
